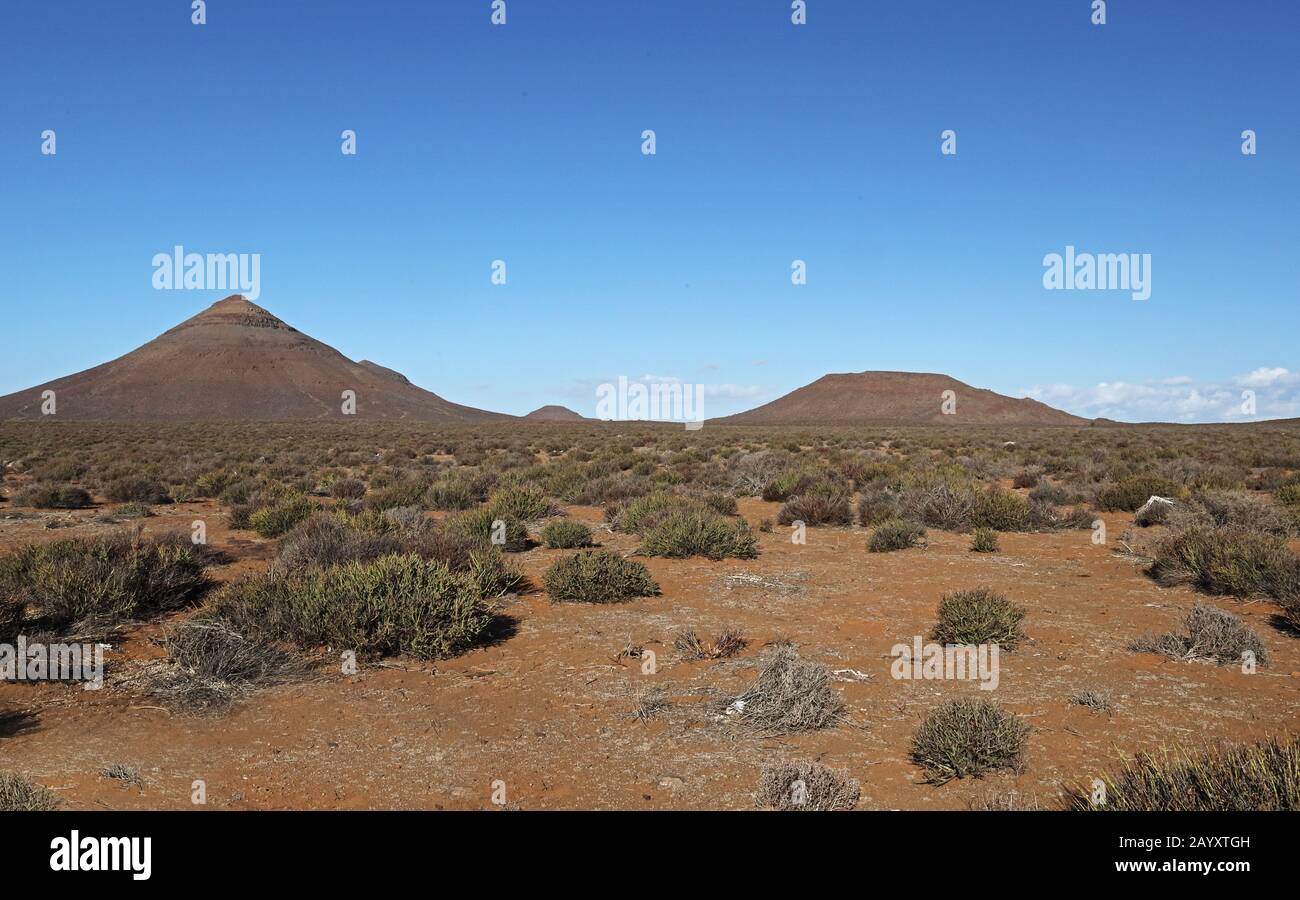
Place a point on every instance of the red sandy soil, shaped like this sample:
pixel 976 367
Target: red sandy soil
pixel 236 362
pixel 897 398
pixel 548 710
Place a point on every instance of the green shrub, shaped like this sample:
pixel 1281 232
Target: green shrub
pixel 17 794
pixel 984 540
pixel 641 514
pixel 138 488
pixel 450 494
pixel 981 616
pixel 1130 493
pixel 398 604
pixel 566 534
pixel 1027 478
pixel 968 738
pixel 896 534
pixel 722 504
pixel 107 579
pixel 211 484
pixel 787 484
pixel 323 540
pixel 1002 511
pixel 484 524
pixel 820 503
pixel 877 505
pixel 12 611
pixel 53 496
pixel 598 576
pixel 392 496
pixel 1289 494
pixel 1228 561
pixel 525 502
pixel 1259 777
pixel 348 489
pixel 700 533
pixel 133 511
pixel 492 574
pixel 281 516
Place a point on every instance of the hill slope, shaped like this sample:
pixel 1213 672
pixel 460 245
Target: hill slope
pixel 897 398
pixel 237 362
pixel 554 413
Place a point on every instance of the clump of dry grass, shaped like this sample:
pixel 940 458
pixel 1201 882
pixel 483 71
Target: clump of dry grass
pixel 17 794
pixel 805 786
pixel 211 665
pixel 651 704
pixel 1208 634
pixel 1097 701
pixel 790 694
pixel 127 774
pixel 730 642
pixel 1005 801
pixel 1259 777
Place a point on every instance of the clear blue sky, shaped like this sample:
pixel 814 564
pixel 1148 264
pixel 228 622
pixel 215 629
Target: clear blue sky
pixel 775 143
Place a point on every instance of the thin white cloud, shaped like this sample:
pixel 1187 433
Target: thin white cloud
pixel 1275 393
pixel 1267 378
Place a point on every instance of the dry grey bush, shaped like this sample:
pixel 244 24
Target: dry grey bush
pixel 790 694
pixel 805 786
pixel 1208 634
pixel 211 665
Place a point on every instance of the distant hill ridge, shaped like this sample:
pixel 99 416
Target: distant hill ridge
pixel 235 361
pixel 898 398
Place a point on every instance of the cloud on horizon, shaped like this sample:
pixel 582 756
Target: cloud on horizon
pixel 1180 398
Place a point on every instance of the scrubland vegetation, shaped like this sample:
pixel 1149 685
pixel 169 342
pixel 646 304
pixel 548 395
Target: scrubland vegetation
pixel 394 541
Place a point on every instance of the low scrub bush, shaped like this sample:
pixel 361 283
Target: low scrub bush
pixel 53 496
pixel 984 540
pixel 138 488
pixel 348 489
pixel 566 534
pixel 821 503
pixel 790 694
pixel 1228 561
pixel 17 794
pixel 968 737
pixel 1237 510
pixel 700 533
pixel 980 616
pixel 598 576
pixel 1209 634
pixel 525 502
pixel 211 665
pixel 1130 493
pixel 896 534
pixel 641 514
pixel 725 645
pixel 106 580
pixel 1259 777
pixel 1002 511
pixel 487 526
pixel 133 511
pixel 877 505
pixel 805 786
pixel 393 605
pixel 279 517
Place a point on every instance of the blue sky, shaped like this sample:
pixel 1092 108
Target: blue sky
pixel 775 142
